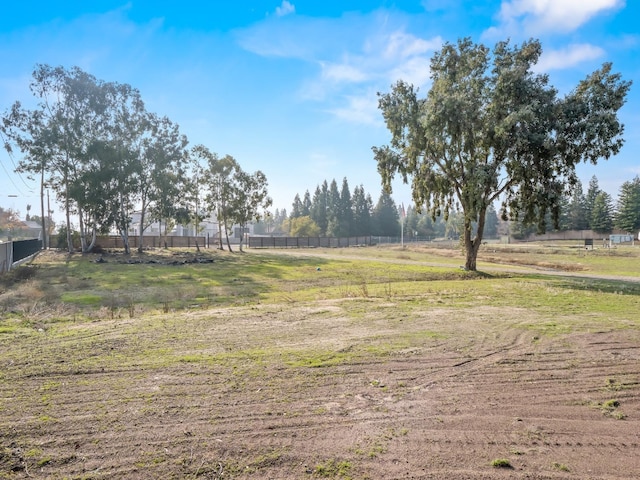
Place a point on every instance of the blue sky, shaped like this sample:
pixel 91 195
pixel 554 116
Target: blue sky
pixel 289 87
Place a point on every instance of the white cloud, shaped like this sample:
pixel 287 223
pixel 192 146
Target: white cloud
pixel 384 59
pixel 403 45
pixel 285 9
pixel 537 16
pixel 350 54
pixel 568 57
pixel 342 73
pixel 415 71
pixel 361 109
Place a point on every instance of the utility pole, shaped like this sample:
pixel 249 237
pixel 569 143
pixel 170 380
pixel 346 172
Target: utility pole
pixel 48 220
pixel 43 218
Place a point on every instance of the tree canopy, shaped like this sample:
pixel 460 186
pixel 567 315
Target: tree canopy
pixel 105 156
pixel 491 128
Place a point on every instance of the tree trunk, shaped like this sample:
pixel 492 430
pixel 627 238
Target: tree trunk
pixel 226 233
pixel 125 241
pixel 472 246
pixel 67 209
pixel 83 240
pixel 220 247
pixel 124 233
pixel 94 238
pixel 241 236
pixel 45 244
pixel 141 235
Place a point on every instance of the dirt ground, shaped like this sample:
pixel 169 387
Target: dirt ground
pixel 235 401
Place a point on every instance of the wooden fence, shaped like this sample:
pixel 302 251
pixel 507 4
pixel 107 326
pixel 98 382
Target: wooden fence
pixel 308 242
pixel 115 241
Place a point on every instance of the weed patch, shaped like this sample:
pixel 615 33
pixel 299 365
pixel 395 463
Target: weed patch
pixel 501 463
pixel 333 468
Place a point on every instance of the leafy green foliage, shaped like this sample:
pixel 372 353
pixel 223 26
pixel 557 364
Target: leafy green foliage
pixel 303 227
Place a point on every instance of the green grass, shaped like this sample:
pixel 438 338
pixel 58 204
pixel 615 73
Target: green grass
pixel 560 466
pixel 333 469
pixel 570 256
pixel 247 318
pixel 83 304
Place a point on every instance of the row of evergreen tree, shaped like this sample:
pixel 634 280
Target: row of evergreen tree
pixel 335 212
pixel 338 212
pixel 596 210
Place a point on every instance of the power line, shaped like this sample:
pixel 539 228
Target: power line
pixel 9 176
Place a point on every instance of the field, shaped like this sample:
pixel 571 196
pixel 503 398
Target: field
pixel 360 363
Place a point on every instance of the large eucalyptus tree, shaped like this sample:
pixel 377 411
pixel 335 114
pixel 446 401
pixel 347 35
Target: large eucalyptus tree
pixel 490 127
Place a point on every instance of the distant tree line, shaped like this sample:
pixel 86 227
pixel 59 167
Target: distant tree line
pixel 340 212
pixel 335 212
pixel 105 156
pixel 594 210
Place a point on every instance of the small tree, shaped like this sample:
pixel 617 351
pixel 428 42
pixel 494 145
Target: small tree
pixel 333 210
pixel 248 197
pixel 217 177
pixel 9 222
pixel 306 204
pixel 296 207
pixel 303 227
pixel 491 222
pixel 162 177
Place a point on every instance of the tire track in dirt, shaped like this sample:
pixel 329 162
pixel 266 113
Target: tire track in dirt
pixel 435 410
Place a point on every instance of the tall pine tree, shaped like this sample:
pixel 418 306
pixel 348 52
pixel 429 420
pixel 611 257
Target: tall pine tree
pixel 333 210
pixel 361 212
pixel 306 204
pixel 602 213
pixel 576 216
pixel 628 211
pixel 319 207
pixel 296 207
pixel 590 199
pixel 386 219
pixel 345 212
